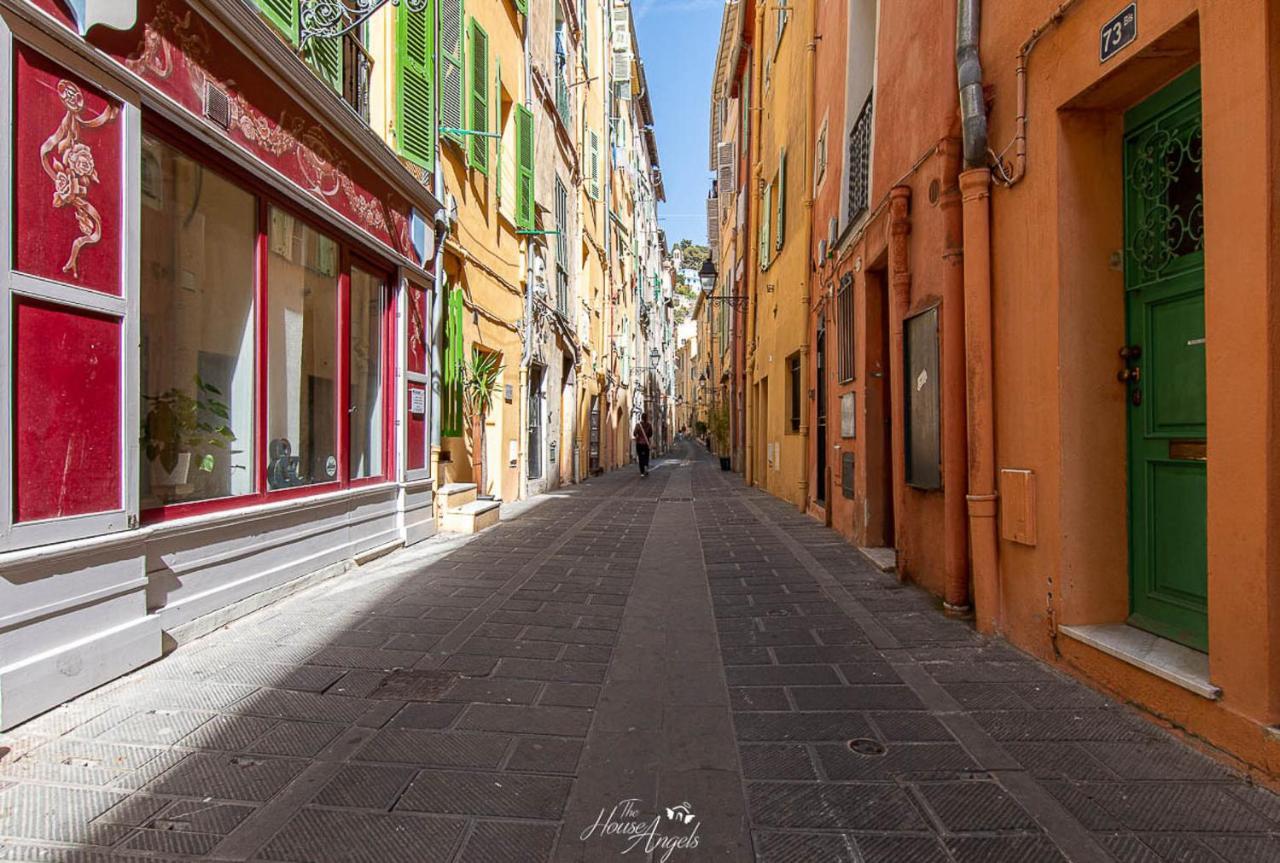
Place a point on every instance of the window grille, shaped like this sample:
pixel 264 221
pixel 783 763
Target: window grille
pixel 860 161
pixel 844 323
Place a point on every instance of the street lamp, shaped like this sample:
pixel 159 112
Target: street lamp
pixel 707 275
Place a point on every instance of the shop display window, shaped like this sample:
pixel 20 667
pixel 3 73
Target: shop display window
pixel 366 414
pixel 199 232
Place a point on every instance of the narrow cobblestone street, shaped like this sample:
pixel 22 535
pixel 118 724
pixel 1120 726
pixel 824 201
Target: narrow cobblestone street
pixel 500 698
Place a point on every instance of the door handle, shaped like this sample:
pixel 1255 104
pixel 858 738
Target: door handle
pixel 1125 375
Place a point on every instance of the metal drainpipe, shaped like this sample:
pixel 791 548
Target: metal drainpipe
pixel 807 363
pixel 522 436
pixel 975 193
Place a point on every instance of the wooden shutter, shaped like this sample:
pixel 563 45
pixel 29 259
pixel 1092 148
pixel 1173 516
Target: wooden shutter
pixel 522 6
pixel 501 141
pixel 595 165
pixel 284 15
pixel 451 401
pixel 766 211
pixel 415 106
pixel 325 56
pixel 452 75
pixel 478 152
pixel 781 228
pixel 524 170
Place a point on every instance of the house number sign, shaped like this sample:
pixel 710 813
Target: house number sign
pixel 1118 32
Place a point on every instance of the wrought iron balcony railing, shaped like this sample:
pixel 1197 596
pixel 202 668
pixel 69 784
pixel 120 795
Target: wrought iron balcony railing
pixel 859 191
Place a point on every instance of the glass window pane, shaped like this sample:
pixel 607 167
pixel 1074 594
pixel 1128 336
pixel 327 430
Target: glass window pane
pixel 366 413
pixel 302 367
pixel 199 232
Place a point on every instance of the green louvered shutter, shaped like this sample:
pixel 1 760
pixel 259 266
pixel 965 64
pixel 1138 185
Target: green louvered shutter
pixel 415 106
pixel 283 14
pixel 479 149
pixel 325 56
pixel 451 400
pixel 782 200
pixel 595 165
pixel 524 170
pixel 500 141
pixel 522 6
pixel 766 210
pixel 452 75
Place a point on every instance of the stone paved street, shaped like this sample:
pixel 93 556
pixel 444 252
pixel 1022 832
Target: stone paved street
pixel 671 640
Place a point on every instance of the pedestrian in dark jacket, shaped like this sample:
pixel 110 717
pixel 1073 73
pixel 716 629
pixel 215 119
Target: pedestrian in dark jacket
pixel 643 435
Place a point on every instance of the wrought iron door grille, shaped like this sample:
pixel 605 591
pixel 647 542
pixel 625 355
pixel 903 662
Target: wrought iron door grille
pixel 860 161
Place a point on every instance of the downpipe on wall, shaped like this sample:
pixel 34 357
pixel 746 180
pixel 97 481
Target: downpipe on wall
pixel 975 196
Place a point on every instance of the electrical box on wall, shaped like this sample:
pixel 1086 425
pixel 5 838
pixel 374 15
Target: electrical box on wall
pixel 1018 505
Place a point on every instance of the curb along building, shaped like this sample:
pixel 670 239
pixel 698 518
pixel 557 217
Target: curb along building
pixel 233 371
pixel 1039 335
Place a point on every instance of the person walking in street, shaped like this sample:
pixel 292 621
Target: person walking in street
pixel 643 434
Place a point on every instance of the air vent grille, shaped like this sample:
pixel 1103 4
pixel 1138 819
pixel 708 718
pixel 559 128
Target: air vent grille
pixel 217 107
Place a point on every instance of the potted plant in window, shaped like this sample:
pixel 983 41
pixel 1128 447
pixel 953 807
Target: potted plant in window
pixel 175 428
pixel 718 423
pixel 479 382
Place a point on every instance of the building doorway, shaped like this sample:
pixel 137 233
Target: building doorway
pixel 1165 364
pixel 534 448
pixel 820 426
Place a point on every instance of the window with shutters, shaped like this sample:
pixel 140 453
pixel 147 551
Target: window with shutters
pixel 453 362
pixel 562 248
pixel 593 151
pixel 357 69
pixel 766 211
pixel 452 76
pixel 783 12
pixel 844 326
pixel 820 156
pixel 780 234
pixel 415 111
pixel 524 168
pixel 562 72
pixel 859 163
pixel 795 397
pixel 284 15
pixel 324 56
pixel 478 151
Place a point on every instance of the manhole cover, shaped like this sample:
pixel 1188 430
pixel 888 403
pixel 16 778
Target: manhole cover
pixel 414 685
pixel 867 746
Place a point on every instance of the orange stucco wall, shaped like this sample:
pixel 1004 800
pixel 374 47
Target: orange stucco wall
pixel 1058 321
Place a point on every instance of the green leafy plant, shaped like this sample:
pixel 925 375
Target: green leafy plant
pixel 173 425
pixel 718 423
pixel 480 378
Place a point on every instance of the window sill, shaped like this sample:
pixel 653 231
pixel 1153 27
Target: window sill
pixel 1179 665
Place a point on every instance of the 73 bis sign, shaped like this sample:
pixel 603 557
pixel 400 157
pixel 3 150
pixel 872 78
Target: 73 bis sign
pixel 1120 31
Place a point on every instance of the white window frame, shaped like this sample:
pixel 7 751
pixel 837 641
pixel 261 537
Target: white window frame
pixel 404 378
pixel 124 307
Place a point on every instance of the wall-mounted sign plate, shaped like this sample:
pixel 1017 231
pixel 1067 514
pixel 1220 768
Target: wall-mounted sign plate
pixel 417 400
pixel 1118 32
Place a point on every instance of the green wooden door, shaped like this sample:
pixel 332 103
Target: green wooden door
pixel 1164 291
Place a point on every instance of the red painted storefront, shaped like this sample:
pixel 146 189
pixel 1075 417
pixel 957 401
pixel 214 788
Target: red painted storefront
pixel 217 319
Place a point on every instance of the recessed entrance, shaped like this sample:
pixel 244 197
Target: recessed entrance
pixel 1164 364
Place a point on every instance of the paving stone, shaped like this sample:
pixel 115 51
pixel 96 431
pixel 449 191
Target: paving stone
pixel 563 672
pixel 562 721
pixel 1058 761
pixel 914 726
pixel 900 761
pixel 320 836
pixel 493 691
pixel 570 695
pixel 1155 759
pixel 489 794
pixel 156 727
pixel 1010 849
pixel 904 849
pixel 778 847
pixel 202 816
pixel 510 647
pixel 773 761
pixel 304 678
pixel 300 739
pixel 58 814
pixel 973 807
pixel 843 807
pixel 509 842
pixel 366 786
pixel 227 777
pixel 758 698
pixel 545 755
pixel 426 715
pixel 1181 806
pixel 782 675
pixel 855 698
pixel 435 748
pixel 173 842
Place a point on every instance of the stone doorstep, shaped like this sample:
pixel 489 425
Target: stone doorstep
pixel 1166 659
pixel 471 517
pixel 883 559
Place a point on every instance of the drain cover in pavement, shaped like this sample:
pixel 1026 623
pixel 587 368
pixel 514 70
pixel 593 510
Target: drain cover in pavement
pixel 867 746
pixel 414 685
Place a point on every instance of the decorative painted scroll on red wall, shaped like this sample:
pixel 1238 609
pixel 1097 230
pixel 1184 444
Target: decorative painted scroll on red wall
pixel 68 152
pixel 66 418
pixel 176 51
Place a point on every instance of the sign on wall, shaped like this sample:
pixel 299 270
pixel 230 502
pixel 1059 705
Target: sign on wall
pixel 1119 32
pixel 848 415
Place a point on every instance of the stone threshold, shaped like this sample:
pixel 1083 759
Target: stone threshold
pixel 1166 659
pixel 883 559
